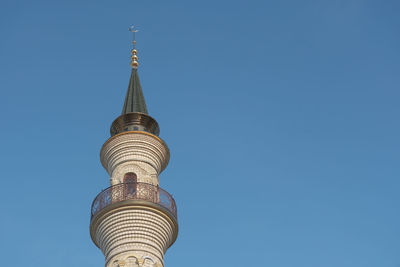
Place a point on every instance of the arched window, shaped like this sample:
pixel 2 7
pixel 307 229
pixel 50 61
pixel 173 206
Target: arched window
pixel 130 181
pixel 130 177
pixel 148 262
pixel 131 262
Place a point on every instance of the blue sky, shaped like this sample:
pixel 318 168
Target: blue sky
pixel 282 118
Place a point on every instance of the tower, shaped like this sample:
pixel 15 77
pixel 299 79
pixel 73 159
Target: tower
pixel 134 221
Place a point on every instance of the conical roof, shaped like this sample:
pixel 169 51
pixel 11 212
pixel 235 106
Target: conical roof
pixel 134 100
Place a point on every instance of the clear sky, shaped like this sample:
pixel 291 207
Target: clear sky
pixel 282 118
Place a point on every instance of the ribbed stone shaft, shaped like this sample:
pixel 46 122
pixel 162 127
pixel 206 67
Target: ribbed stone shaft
pixel 134 234
pixel 134 224
pixel 142 153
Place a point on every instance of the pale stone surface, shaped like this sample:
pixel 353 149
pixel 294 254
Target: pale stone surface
pixel 135 233
pixel 134 236
pixel 144 154
pixel 145 174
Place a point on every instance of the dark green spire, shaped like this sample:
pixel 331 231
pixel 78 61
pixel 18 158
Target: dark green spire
pixel 134 100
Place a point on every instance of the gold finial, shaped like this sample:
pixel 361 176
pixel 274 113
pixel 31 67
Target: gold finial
pixel 134 58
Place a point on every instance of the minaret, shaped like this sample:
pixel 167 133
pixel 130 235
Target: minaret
pixel 134 221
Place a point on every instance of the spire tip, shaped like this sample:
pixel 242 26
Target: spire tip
pixel 134 57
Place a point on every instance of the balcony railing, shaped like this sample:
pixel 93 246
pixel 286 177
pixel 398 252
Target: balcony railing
pixel 133 191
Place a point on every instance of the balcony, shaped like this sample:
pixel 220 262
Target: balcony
pixel 133 191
